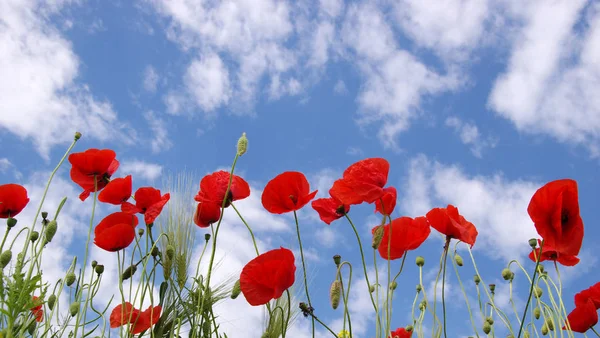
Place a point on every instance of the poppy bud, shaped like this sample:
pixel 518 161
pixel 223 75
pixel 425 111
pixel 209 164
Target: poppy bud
pixel 130 271
pixel 419 288
pixel 51 230
pixel 423 305
pixel 533 243
pixel 377 236
pixel 11 222
pixel 541 268
pixel 538 291
pixel 334 293
pixel 74 308
pixel 5 258
pixel 77 136
pixel 337 259
pixel 34 236
pixel 394 285
pixel 409 328
pixel 477 279
pixel 420 261
pixel 371 288
pixel 487 327
pixel 94 263
pixel 550 323
pixel 492 288
pixel 154 251
pixel 536 313
pixel 99 269
pixel 507 274
pixel 490 320
pixel 544 329
pixel 458 260
pixel 235 292
pixel 31 328
pixel 170 252
pixel 207 237
pixel 70 278
pixel 51 301
pixel 141 232
pixel 242 145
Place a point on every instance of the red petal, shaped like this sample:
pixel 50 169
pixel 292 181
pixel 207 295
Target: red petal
pixel 267 276
pixel 146 319
pixel 145 197
pixel 352 191
pixel 207 214
pixel 155 209
pixel 389 201
pixel 116 191
pixel 592 293
pixel 123 314
pixel 406 234
pixel 115 238
pixel 93 161
pixel 583 317
pixel 373 171
pixel 116 218
pixel 287 192
pixel 13 199
pixel 330 209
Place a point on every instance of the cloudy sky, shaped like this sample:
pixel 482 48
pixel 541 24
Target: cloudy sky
pixel 473 102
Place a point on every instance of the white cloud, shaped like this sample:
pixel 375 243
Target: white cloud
pixel 354 151
pixel 495 205
pixel 5 164
pixel 150 79
pixel 469 135
pixel 340 88
pixel 159 138
pixel 145 170
pixel 39 88
pixel 548 86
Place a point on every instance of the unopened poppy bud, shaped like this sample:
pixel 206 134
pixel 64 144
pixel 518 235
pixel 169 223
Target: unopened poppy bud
pixel 74 308
pixel 31 328
pixel 70 278
pixel 77 136
pixel 51 301
pixel 538 291
pixel 371 288
pixel 394 285
pixel 5 258
pixel 487 327
pixel 235 292
pixel 492 288
pixel 99 269
pixel 34 236
pixel 141 232
pixel 533 243
pixel 409 328
pixel 337 259
pixel 11 222
pixel 544 329
pixel 334 293
pixel 242 145
pixel 130 271
pixel 490 320
pixel 423 305
pixel 507 274
pixel 458 260
pixel 94 263
pixel 154 251
pixel 170 251
pixel 550 323
pixel 476 279
pixel 51 230
pixel 207 237
pixel 420 261
pixel 377 236
pixel 419 288
pixel 536 313
pixel 44 214
pixel 541 268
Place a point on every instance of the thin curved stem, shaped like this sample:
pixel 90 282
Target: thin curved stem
pixel 537 264
pixel 444 284
pixel 304 270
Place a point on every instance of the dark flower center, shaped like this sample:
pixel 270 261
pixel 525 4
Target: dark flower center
pixel 564 217
pixel 294 199
pixel 228 198
pixel 340 210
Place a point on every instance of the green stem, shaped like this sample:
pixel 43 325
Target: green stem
pixel 249 229
pixel 537 264
pixel 444 283
pixel 464 293
pixel 323 324
pixel 594 330
pixel 304 270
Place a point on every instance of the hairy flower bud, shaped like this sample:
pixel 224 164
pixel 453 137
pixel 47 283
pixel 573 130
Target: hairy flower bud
pixel 94 263
pixel 490 320
pixel 74 308
pixel 337 259
pixel 141 232
pixel 458 260
pixel 538 291
pixel 335 292
pixel 507 274
pixel 409 328
pixel 130 271
pixel 423 305
pixel 393 285
pixel 536 313
pixel 154 251
pixel 34 236
pixel 377 236
pixel 526 334
pixel 170 252
pixel 235 292
pixel 77 136
pixel 99 269
pixel 11 222
pixel 419 288
pixel 242 145
pixel 51 301
pixel 492 288
pixel 541 268
pixel 544 329
pixel 533 243
pixel 371 288
pixel 5 258
pixel 486 327
pixel 550 323
pixel 420 261
pixel 70 278
pixel 477 279
pixel 207 237
pixel 51 229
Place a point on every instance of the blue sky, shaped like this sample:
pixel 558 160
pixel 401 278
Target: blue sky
pixel 473 102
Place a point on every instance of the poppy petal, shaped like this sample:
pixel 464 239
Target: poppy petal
pixel 207 214
pixel 286 192
pixel 267 276
pixel 13 199
pixel 583 317
pixel 117 191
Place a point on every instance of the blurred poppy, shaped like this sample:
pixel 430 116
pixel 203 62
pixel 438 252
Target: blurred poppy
pixel 37 311
pixel 117 191
pixel 287 192
pixel 400 333
pixel 214 186
pixel 554 209
pixel 583 317
pixel 90 164
pixel 592 293
pixel 450 223
pixel 124 314
pixel 407 234
pixel 362 182
pixel 146 320
pixel 550 254
pixel 206 214
pixel 389 201
pixel 116 231
pixel 330 209
pixel 267 276
pixel 13 199
pixel 147 202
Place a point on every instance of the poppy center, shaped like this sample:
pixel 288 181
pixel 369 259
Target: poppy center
pixel 340 210
pixel 564 217
pixel 228 198
pixel 294 199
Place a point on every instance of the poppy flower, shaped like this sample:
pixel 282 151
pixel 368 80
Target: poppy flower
pixel 550 254
pixel 146 319
pixel 13 199
pixel 117 191
pixel 583 317
pixel 147 202
pixel 592 293
pixel 400 333
pixel 362 182
pixel 389 201
pixel 116 231
pixel 287 192
pixel 554 209
pixel 90 164
pixel 267 276
pixel 330 209
pixel 124 314
pixel 214 186
pixel 407 234
pixel 37 311
pixel 206 214
pixel 450 223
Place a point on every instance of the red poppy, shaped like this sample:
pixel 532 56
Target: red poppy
pixel 214 186
pixel 91 163
pixel 37 311
pixel 13 199
pixel 389 201
pixel 116 231
pixel 330 209
pixel 450 223
pixel 147 202
pixel 592 293
pixel 267 276
pixel 583 317
pixel 550 254
pixel 287 192
pixel 141 321
pixel 407 234
pixel 146 319
pixel 554 209
pixel 123 314
pixel 362 182
pixel 117 191
pixel 206 214
pixel 400 333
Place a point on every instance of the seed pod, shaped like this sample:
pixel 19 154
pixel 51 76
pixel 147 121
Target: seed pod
pixel 477 279
pixel 235 292
pixel 393 286
pixel 51 229
pixel 409 328
pixel 99 269
pixel 141 232
pixel 507 274
pixel 34 236
pixel 51 301
pixel 492 288
pixel 94 263
pixel 419 288
pixel 544 329
pixel 420 261
pixel 335 292
pixel 490 320
pixel 458 260
pixel 486 327
pixel 74 308
pixel 154 251
pixel 538 291
pixel 377 236
pixel 11 222
pixel 207 237
pixel 44 214
pixel 70 278
pixel 533 243
pixel 130 271
pixel 5 258
pixel 337 259
pixel 371 288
